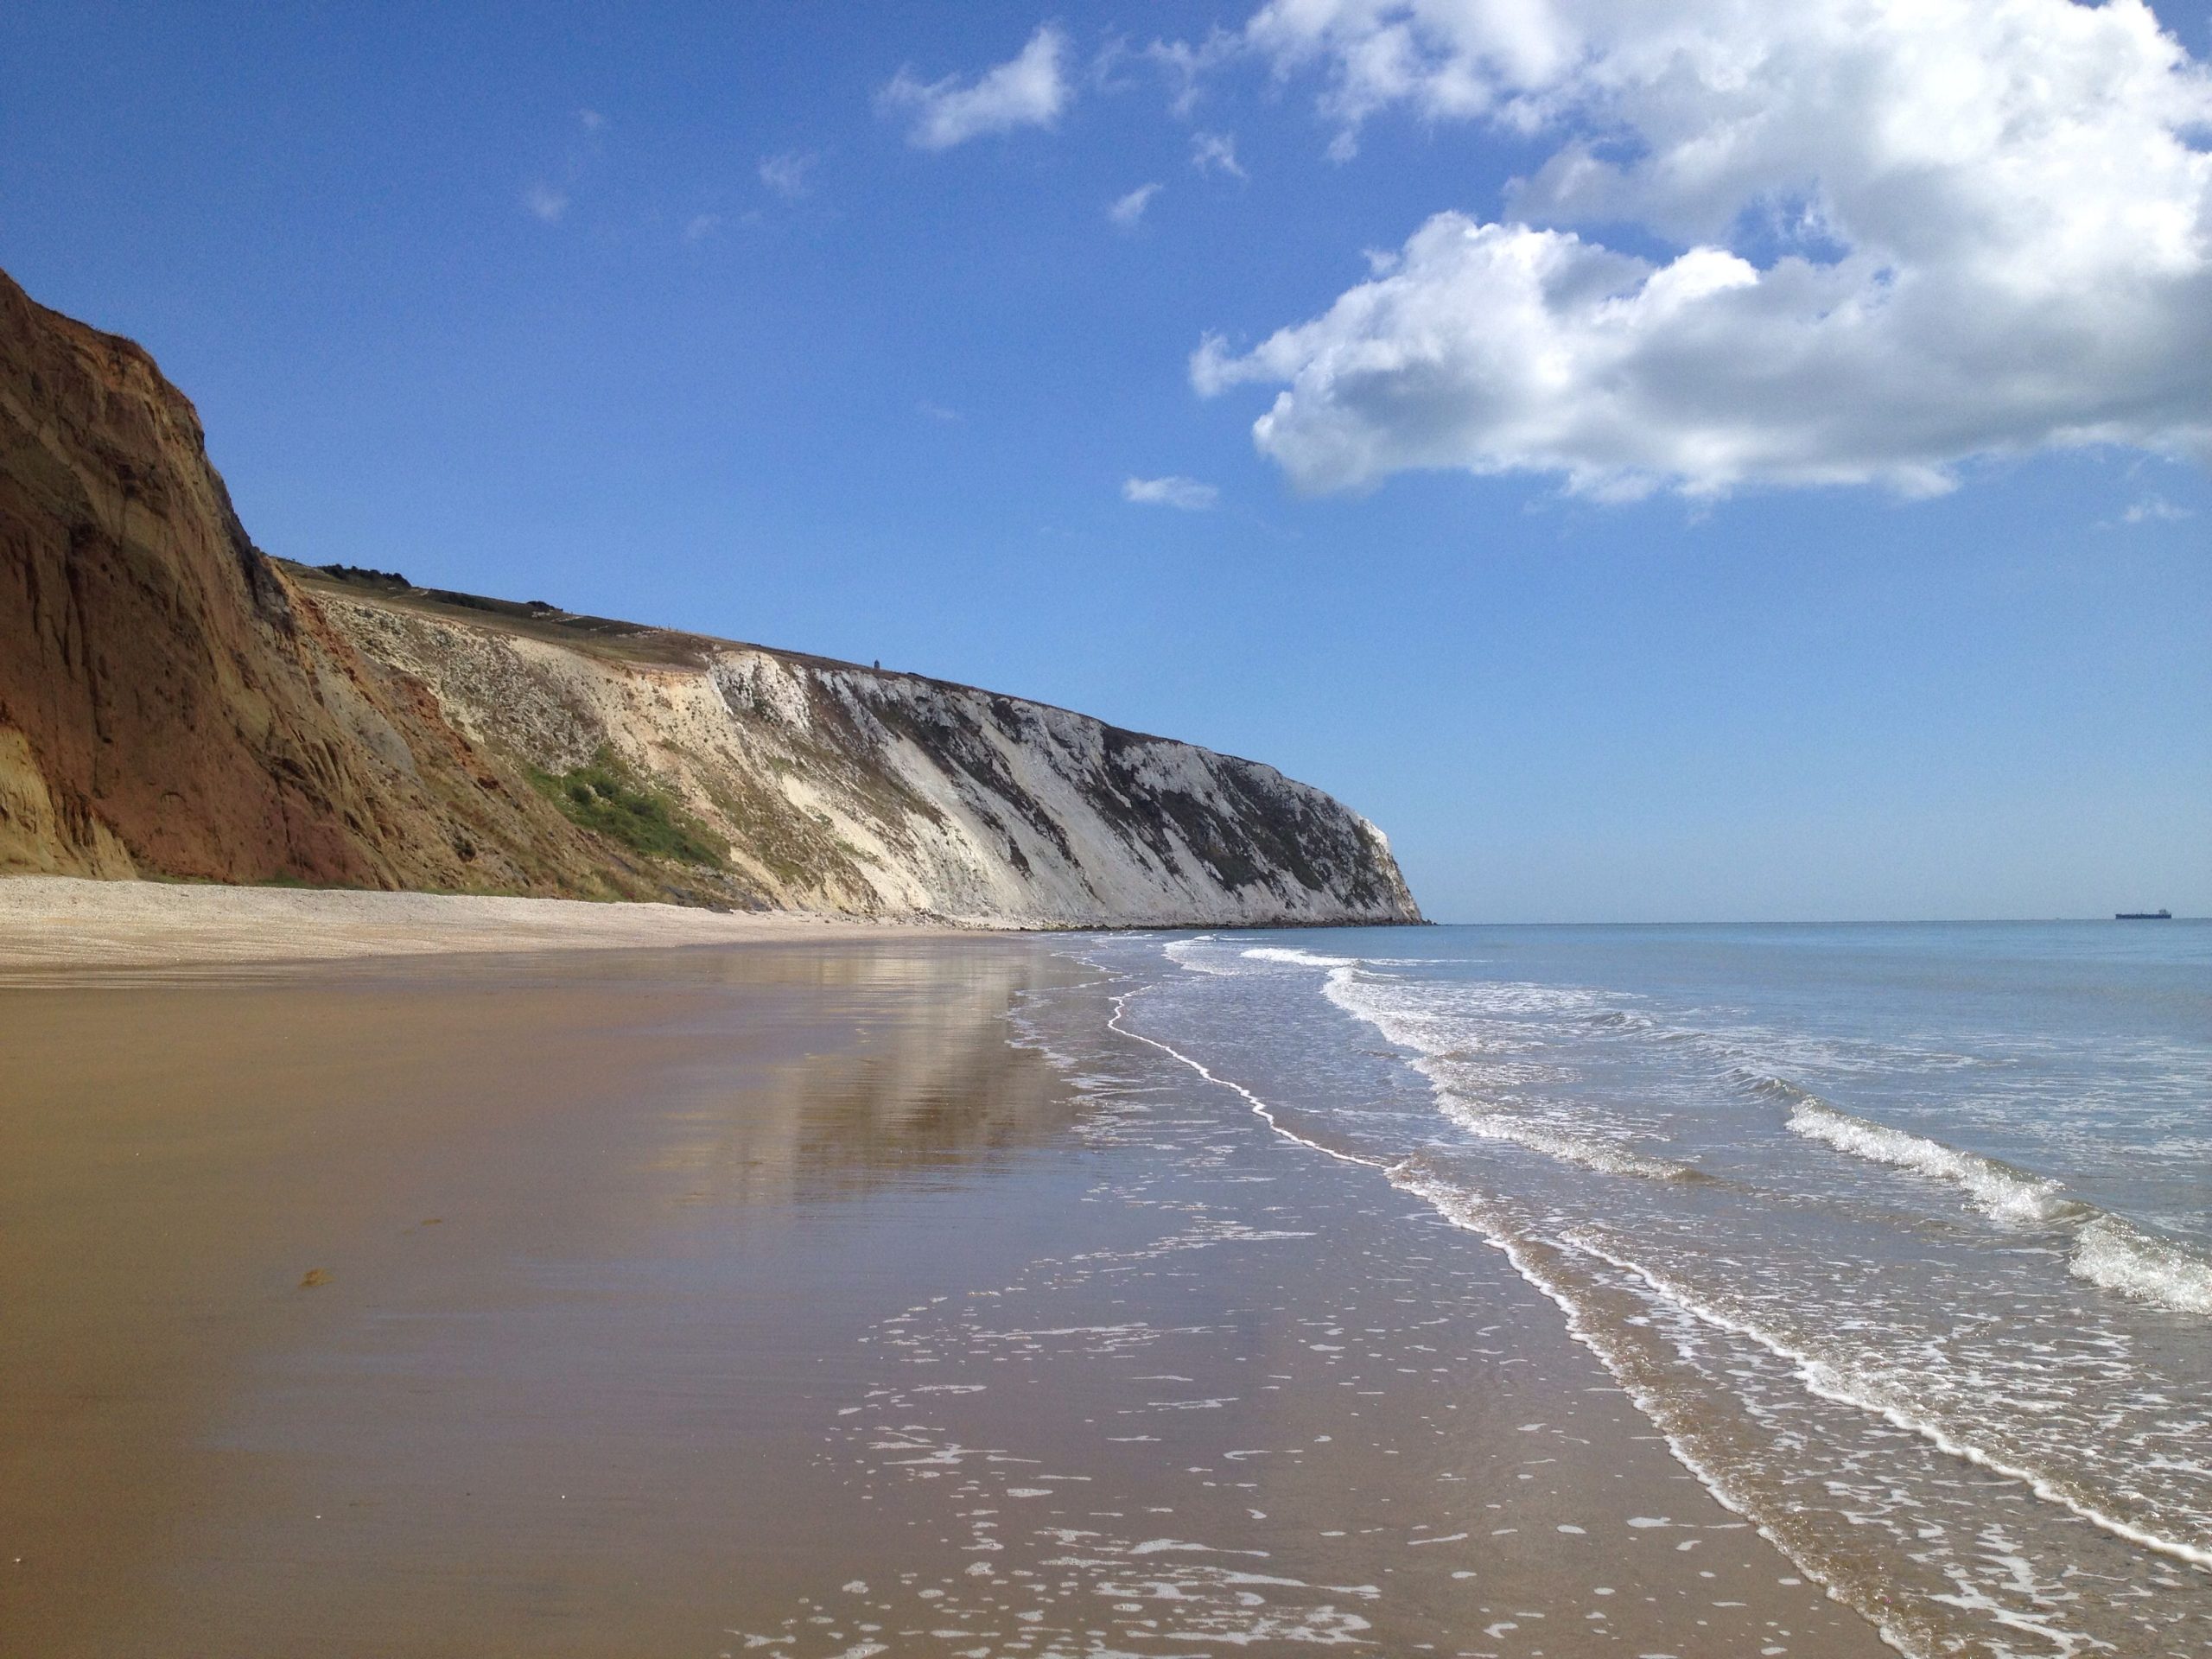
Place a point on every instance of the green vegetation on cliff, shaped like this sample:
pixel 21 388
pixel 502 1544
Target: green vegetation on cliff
pixel 605 796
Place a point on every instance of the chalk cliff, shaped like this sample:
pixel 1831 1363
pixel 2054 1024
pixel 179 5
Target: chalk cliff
pixel 174 702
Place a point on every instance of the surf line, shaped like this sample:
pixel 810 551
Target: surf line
pixel 1260 1107
pixel 1827 1382
pixel 1401 1175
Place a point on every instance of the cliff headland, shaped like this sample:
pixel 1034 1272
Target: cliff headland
pixel 175 703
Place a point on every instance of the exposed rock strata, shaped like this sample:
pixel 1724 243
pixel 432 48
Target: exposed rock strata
pixel 174 704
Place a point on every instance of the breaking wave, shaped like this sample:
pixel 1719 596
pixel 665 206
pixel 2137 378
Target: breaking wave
pixel 1446 1036
pixel 2116 1254
pixel 1299 958
pixel 1997 1188
pixel 1608 1156
pixel 2109 1251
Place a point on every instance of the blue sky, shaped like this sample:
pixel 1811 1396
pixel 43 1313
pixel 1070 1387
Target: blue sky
pixel 1801 539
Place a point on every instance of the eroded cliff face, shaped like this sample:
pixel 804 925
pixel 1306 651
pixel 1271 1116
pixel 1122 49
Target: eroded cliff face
pixel 169 703
pixel 823 786
pixel 174 704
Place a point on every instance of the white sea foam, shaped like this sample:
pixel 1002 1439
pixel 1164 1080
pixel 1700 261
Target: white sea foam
pixel 1423 1029
pixel 1487 1017
pixel 1604 1153
pixel 1878 1389
pixel 1471 1025
pixel 1199 956
pixel 1996 1189
pixel 2116 1254
pixel 1539 1263
pixel 2109 1251
pixel 1299 958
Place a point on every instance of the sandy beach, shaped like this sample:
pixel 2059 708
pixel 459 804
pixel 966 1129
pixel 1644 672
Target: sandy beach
pixel 700 1301
pixel 63 921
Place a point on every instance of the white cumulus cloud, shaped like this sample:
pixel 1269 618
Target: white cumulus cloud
pixel 1028 91
pixel 1127 211
pixel 1184 493
pixel 1876 238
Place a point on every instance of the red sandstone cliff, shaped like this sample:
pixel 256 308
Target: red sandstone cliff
pixel 169 703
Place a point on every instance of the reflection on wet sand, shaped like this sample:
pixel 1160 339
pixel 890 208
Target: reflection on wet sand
pixel 440 1307
pixel 917 1096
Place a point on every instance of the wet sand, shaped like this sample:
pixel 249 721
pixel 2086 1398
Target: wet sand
pixel 698 1302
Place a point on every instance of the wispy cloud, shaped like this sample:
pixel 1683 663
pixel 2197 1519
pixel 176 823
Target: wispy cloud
pixel 1127 211
pixel 702 226
pixel 2155 510
pixel 1028 91
pixel 1185 66
pixel 939 412
pixel 544 202
pixel 547 202
pixel 787 172
pixel 1187 493
pixel 1216 152
pixel 1105 73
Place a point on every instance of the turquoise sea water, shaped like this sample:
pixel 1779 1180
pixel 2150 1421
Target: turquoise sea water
pixel 1902 1234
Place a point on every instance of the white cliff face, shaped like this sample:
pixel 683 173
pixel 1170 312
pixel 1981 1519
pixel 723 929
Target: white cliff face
pixel 850 790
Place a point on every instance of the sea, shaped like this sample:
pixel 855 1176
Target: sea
pixel 1901 1236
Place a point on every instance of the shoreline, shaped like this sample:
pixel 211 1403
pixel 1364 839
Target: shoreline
pixel 79 921
pixel 60 921
pixel 441 1306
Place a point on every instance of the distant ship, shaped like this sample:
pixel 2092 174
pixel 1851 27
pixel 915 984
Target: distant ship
pixel 2144 916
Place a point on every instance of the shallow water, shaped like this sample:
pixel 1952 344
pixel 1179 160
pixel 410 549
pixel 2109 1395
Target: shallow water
pixel 1902 1234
